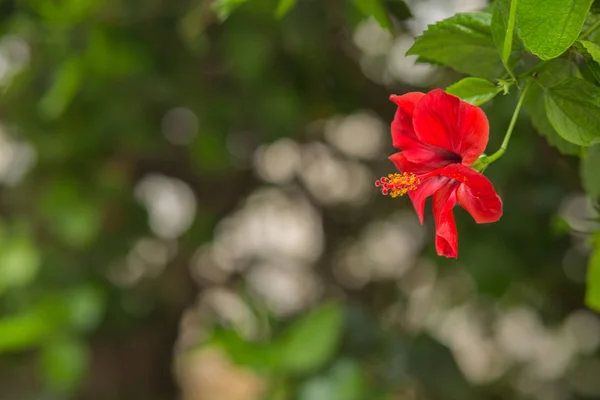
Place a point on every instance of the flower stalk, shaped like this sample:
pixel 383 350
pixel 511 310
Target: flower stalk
pixel 484 161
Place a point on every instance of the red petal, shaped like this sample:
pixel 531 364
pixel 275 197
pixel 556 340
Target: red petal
pixel 446 237
pixel 445 121
pixel 403 132
pixel 476 194
pixel 419 196
pixel 421 166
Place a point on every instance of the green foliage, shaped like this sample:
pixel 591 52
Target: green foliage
pixel 591 53
pixel 463 42
pixel 63 364
pixel 311 340
pixel 224 8
pixel 549 27
pixel 552 73
pixel 590 172
pixel 511 54
pixel 474 90
pixel 20 262
pixel 344 381
pixel 91 101
pixel 283 7
pixel 375 9
pixel 573 109
pixel 63 89
pixel 592 296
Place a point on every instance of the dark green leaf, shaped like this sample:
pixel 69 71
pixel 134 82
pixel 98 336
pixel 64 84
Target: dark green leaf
pixel 573 109
pixel 398 9
pixel 590 172
pixel 474 90
pixel 549 27
pixel 463 42
pixel 312 340
pixel 553 72
pixel 592 294
pixel 284 7
pixel 375 9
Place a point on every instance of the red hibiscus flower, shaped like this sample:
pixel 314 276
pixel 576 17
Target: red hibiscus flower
pixel 440 137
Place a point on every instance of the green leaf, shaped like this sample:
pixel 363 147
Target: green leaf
pixel 592 48
pixel 284 7
pixel 375 9
pixel 64 87
pixel 24 330
pixel 398 9
pixel 224 8
pixel 500 20
pixel 19 262
pixel 474 90
pixel 590 168
pixel 463 42
pixel 259 356
pixel 63 365
pixel 573 109
pixel 591 54
pixel 549 27
pixel 553 72
pixel 311 340
pixel 345 381
pixel 592 294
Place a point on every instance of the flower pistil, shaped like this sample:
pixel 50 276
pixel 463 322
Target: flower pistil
pixel 398 184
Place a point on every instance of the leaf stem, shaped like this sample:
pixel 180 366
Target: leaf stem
pixel 484 162
pixel 508 37
pixel 590 30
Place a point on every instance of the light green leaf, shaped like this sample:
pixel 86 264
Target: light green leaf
pixel 553 72
pixel 64 87
pixel 375 9
pixel 312 340
pixel 224 8
pixel 284 7
pixel 463 42
pixel 590 172
pixel 85 307
pixel 592 48
pixel 592 294
pixel 573 109
pixel 345 381
pixel 591 53
pixel 23 330
pixel 63 365
pixel 474 90
pixel 549 27
pixel 500 20
pixel 73 217
pixel 19 262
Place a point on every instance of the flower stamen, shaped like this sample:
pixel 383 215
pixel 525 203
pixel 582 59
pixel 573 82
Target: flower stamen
pixel 398 184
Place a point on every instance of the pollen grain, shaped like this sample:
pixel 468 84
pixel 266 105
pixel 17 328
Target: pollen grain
pixel 396 185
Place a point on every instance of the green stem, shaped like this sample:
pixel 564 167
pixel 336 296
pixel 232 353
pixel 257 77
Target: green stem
pixel 590 30
pixel 484 162
pixel 508 37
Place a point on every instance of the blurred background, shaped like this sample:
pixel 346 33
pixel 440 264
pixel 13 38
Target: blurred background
pixel 188 211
